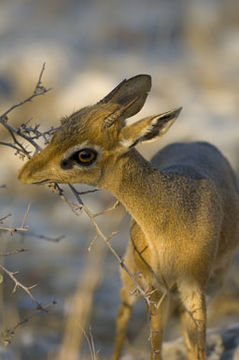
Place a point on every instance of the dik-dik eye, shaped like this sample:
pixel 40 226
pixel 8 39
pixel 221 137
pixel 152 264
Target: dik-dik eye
pixel 84 157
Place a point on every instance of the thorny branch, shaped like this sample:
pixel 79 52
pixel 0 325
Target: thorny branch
pixel 18 284
pixel 115 205
pixel 13 252
pixel 55 239
pixel 11 274
pixel 100 234
pixel 25 132
pixel 4 218
pixel 22 227
pixel 31 134
pixel 7 334
pixel 38 90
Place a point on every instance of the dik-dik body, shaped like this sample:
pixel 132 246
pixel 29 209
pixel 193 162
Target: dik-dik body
pixel 184 205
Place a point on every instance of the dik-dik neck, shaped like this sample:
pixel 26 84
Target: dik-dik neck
pixel 139 187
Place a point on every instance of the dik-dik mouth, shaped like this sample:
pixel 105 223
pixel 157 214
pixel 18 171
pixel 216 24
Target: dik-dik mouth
pixel 45 181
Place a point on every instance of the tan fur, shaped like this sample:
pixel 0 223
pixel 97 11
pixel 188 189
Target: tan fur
pixel 184 205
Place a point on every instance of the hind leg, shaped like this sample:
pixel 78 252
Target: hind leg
pixel 185 319
pixel 194 321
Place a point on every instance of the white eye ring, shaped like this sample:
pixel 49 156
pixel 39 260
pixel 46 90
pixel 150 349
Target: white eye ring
pixel 71 156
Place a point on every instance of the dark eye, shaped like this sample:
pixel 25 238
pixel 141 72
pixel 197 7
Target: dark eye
pixel 84 157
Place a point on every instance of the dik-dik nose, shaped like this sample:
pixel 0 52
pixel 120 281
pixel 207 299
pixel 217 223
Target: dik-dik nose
pixel 25 173
pixel 33 170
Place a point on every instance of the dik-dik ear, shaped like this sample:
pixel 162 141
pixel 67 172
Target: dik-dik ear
pixel 131 94
pixel 148 129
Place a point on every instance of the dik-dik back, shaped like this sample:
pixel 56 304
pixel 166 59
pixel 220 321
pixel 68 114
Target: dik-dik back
pixel 203 163
pixel 184 205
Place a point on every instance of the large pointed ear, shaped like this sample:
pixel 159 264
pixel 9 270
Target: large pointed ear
pixel 130 94
pixel 148 129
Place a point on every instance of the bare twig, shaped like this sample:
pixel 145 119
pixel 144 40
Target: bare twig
pixel 88 192
pixel 13 130
pixel 99 234
pixel 23 227
pixel 77 194
pixel 18 150
pixel 90 341
pixel 4 218
pixel 25 216
pixel 45 237
pixel 96 237
pixel 115 205
pixel 29 134
pixel 75 208
pixel 13 252
pixel 113 251
pixel 7 334
pixel 12 230
pixel 21 131
pixel 17 284
pixel 35 133
pixel 93 242
pixel 39 90
pixel 20 146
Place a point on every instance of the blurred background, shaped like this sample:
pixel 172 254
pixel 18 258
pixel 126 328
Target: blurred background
pixel 191 50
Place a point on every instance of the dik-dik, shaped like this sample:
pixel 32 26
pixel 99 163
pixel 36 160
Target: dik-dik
pixel 184 205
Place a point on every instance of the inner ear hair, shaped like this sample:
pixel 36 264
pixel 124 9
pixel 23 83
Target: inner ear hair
pixel 160 124
pixel 148 129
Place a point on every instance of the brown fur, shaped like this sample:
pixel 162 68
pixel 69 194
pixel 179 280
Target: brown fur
pixel 184 205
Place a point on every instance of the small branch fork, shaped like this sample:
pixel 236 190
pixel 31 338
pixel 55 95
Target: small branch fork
pixel 17 284
pixel 25 132
pixel 7 334
pixel 38 90
pixel 23 226
pixel 11 274
pixel 31 134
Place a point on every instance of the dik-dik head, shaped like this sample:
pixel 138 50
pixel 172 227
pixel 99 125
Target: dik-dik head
pixel 91 138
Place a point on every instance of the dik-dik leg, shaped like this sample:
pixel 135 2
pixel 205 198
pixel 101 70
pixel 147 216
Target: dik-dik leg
pixel 127 301
pixel 185 321
pixel 194 321
pixel 157 312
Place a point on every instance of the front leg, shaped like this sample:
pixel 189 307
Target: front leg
pixel 128 298
pixel 157 312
